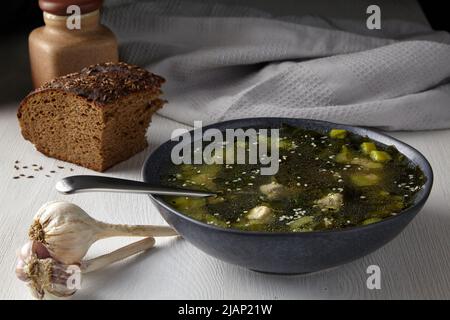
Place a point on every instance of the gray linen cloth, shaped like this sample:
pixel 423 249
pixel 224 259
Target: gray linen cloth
pixel 225 62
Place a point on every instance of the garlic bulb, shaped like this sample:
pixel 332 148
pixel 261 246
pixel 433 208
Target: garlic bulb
pixel 49 278
pixel 67 231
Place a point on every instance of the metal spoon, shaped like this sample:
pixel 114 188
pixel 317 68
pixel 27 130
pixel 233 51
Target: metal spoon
pixel 77 184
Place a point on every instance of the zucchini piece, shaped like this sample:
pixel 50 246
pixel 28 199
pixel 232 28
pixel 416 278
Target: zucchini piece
pixel 215 200
pixel 364 180
pixel 301 223
pixel 204 180
pixel 380 156
pixel 188 202
pixel 367 147
pixel 211 170
pixel 285 144
pixel 344 156
pixel 187 171
pixel 338 133
pixel 370 221
pixel 195 208
pixel 366 163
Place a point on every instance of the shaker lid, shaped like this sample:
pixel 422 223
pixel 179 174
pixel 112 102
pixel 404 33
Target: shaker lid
pixel 59 7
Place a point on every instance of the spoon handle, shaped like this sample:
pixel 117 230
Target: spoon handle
pixel 77 184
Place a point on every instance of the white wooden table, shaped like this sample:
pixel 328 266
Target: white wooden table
pixel 414 265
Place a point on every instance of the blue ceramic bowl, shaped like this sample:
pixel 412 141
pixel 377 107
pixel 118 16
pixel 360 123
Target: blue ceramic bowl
pixel 288 253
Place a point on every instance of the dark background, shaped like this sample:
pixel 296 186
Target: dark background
pixel 437 14
pixel 25 15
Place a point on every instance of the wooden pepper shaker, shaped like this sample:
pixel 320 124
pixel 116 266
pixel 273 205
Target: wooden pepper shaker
pixel 71 39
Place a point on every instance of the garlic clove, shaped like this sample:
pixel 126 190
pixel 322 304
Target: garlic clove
pixel 25 253
pixel 44 275
pixel 34 247
pixel 26 249
pixel 20 270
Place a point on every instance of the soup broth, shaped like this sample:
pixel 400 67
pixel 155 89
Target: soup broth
pixel 325 181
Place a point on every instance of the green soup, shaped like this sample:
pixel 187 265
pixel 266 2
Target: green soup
pixel 324 182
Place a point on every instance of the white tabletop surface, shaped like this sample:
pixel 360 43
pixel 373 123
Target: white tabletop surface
pixel 414 265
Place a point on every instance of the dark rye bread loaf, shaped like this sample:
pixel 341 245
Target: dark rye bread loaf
pixel 94 118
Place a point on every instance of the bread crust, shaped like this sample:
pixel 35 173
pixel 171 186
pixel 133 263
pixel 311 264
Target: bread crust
pixel 106 82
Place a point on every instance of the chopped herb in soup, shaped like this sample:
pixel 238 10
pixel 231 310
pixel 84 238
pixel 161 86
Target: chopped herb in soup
pixel 325 181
